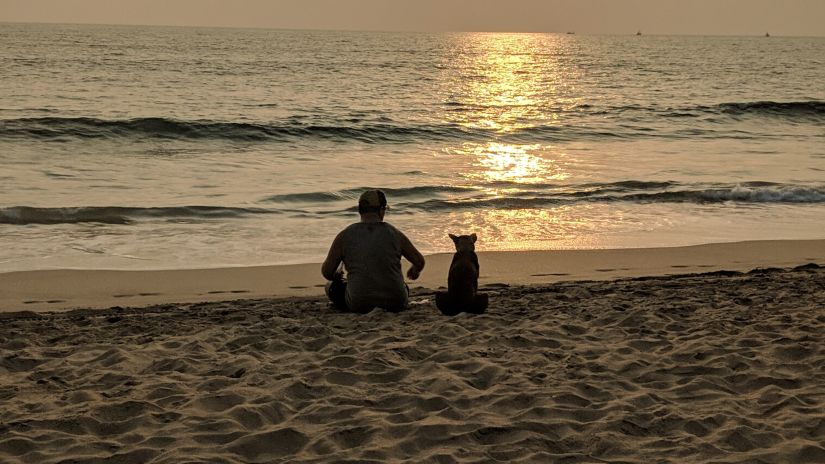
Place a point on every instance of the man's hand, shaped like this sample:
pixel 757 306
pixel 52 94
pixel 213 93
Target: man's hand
pixel 413 256
pixel 331 269
pixel 413 273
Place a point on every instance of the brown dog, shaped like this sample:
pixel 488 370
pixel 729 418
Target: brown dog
pixel 462 280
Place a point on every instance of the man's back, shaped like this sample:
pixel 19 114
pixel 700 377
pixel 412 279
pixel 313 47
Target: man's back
pixel 372 257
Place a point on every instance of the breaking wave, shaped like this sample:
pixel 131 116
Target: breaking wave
pixel 22 215
pixel 435 199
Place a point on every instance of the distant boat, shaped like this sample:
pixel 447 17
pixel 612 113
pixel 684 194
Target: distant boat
pixel 638 32
pixel 767 34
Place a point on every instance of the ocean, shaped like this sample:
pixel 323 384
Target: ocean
pixel 130 147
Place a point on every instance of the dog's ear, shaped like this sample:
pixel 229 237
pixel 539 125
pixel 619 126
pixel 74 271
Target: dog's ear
pixel 474 237
pixel 454 238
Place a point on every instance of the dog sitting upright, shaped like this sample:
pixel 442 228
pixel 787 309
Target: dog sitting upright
pixel 462 280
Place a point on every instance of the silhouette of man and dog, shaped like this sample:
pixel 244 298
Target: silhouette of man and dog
pixel 371 250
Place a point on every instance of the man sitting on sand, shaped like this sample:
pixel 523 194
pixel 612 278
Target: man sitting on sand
pixel 371 251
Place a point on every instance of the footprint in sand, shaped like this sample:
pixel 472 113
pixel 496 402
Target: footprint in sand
pixel 495 285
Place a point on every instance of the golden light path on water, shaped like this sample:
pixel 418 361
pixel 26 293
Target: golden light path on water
pixel 519 164
pixel 516 84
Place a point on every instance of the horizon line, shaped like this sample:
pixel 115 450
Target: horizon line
pixel 413 31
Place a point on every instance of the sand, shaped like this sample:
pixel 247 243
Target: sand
pixel 50 290
pixel 716 367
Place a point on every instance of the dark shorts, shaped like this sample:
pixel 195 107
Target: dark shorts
pixel 336 291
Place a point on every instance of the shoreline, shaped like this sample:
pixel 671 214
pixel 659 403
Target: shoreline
pixel 61 290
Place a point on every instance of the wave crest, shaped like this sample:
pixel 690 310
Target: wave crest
pixel 22 215
pixel 632 192
pixel 799 109
pixel 56 128
pixel 435 199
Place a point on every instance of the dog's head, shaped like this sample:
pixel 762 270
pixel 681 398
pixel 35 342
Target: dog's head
pixel 464 242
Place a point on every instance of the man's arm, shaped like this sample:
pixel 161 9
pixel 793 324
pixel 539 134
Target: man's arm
pixel 409 251
pixel 334 257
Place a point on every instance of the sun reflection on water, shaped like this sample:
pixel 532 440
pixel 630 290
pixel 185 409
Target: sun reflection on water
pixel 558 227
pixel 504 85
pixel 496 162
pixel 509 82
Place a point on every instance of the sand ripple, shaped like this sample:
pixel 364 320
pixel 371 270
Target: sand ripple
pixel 702 368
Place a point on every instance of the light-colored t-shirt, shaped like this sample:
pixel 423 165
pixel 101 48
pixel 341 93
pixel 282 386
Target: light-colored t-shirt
pixel 372 257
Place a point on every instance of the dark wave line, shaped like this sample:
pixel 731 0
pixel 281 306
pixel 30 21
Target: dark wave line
pixel 66 129
pixel 804 108
pixel 747 193
pixel 629 190
pixel 807 109
pixel 793 110
pixel 534 200
pixel 528 197
pixel 811 108
pixel 62 129
pixel 430 190
pixel 55 128
pixel 784 194
pixel 22 215
pixel 379 131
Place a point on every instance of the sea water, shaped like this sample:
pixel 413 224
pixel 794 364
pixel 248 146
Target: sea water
pixel 131 147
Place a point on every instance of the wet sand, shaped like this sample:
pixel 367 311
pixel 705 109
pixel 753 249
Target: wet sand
pixel 51 290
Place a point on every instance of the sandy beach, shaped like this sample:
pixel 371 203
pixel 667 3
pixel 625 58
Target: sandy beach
pixel 710 365
pixel 643 182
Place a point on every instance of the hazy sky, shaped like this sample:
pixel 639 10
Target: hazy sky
pixel 747 17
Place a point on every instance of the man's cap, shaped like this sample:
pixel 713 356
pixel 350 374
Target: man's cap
pixel 373 199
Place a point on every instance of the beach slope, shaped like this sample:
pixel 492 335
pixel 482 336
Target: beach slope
pixel 717 367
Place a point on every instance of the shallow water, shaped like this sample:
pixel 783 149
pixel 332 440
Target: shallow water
pixel 151 147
